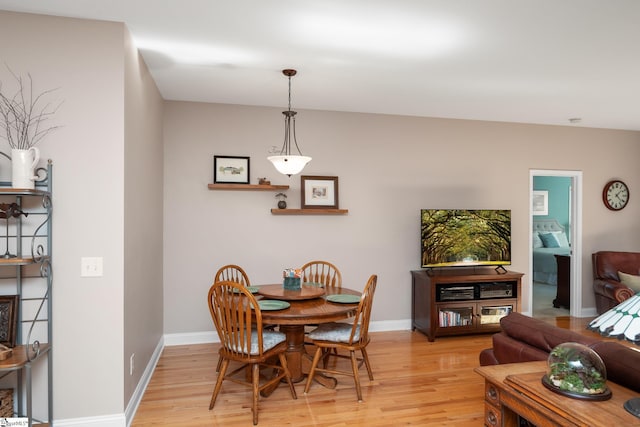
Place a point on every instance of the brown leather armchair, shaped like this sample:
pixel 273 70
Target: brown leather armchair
pixel 608 290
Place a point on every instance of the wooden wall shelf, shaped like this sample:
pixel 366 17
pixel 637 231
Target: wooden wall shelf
pixel 247 187
pixel 309 211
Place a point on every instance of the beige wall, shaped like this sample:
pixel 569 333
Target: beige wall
pixel 94 154
pixel 84 59
pixel 389 167
pixel 143 218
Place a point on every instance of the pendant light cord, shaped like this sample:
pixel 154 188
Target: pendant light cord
pixel 289 93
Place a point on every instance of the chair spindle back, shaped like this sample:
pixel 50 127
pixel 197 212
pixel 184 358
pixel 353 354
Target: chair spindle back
pixel 363 313
pixel 230 305
pixel 322 272
pixel 232 273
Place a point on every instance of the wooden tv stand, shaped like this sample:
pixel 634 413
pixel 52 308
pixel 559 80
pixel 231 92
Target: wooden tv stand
pixel 462 301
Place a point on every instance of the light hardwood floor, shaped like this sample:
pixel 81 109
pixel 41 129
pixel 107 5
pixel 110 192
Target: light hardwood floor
pixel 416 383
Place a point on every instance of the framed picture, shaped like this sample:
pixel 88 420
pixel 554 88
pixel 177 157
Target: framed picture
pixel 319 192
pixel 8 319
pixel 540 203
pixel 230 170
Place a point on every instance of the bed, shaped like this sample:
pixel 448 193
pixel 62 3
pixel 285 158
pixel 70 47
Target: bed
pixel 548 239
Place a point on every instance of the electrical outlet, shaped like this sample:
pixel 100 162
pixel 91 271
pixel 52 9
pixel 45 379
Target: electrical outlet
pixel 131 363
pixel 91 267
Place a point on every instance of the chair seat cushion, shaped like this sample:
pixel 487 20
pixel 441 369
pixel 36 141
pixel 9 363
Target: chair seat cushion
pixel 270 339
pixel 336 332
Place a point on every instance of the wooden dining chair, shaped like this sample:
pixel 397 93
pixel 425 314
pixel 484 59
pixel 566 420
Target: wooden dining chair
pixel 322 272
pixel 237 318
pixel 232 273
pixel 344 336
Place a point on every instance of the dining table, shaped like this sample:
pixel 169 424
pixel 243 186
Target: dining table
pixel 310 305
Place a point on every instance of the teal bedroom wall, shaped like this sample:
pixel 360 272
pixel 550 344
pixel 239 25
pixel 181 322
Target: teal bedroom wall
pixel 559 193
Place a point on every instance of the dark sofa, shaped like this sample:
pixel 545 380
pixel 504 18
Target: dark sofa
pixel 525 339
pixel 608 290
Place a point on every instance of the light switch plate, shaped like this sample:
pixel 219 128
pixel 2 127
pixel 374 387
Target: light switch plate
pixel 91 267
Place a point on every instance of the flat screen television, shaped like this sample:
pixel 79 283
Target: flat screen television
pixel 465 238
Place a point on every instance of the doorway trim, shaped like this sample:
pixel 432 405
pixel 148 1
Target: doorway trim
pixel 575 207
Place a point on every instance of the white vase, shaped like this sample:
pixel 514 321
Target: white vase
pixel 23 165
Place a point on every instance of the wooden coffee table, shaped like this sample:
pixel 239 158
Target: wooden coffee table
pixel 516 389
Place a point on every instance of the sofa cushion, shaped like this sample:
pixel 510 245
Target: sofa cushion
pixel 630 280
pixel 539 333
pixel 509 350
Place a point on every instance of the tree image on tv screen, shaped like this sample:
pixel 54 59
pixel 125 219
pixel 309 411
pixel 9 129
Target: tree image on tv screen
pixel 466 237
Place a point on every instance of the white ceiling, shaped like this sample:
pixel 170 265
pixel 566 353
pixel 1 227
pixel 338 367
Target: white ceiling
pixel 532 61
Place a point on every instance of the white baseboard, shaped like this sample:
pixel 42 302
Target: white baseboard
pixel 103 421
pixel 588 312
pixel 390 325
pixel 134 402
pixel 190 338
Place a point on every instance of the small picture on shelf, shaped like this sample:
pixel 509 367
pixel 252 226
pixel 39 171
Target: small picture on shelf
pixel 8 319
pixel 230 170
pixel 319 192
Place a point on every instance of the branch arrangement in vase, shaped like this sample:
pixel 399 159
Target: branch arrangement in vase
pixel 25 117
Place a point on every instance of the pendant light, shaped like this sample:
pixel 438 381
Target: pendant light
pixel 287 163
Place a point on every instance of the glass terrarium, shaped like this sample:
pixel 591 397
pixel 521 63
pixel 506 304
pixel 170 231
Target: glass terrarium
pixel 577 371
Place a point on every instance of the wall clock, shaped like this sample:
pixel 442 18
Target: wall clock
pixel 615 195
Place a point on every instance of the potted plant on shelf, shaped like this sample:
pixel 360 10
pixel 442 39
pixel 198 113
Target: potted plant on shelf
pixel 282 203
pixel 25 117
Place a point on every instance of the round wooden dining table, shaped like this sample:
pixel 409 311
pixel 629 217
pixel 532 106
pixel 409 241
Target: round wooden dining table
pixel 301 312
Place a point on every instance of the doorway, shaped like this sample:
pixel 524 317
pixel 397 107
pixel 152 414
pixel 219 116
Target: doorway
pixel 555 274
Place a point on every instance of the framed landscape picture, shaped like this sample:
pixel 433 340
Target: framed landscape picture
pixel 319 192
pixel 540 203
pixel 230 170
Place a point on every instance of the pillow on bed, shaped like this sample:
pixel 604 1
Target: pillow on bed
pixel 630 280
pixel 561 238
pixel 549 240
pixel 554 239
pixel 537 242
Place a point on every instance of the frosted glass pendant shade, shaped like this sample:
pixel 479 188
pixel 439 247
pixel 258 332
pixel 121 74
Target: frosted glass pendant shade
pixel 289 165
